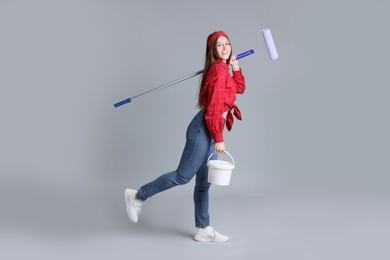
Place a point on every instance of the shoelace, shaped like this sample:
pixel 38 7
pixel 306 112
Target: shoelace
pixel 137 206
pixel 213 233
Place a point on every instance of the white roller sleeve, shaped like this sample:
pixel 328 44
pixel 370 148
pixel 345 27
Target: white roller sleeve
pixel 269 41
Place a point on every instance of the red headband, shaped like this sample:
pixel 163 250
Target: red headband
pixel 215 36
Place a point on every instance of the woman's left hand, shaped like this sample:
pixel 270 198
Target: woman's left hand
pixel 234 63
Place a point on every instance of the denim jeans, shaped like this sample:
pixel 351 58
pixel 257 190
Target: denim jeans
pixel 198 147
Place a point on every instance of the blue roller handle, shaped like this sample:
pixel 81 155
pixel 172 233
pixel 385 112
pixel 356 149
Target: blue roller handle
pixel 128 100
pixel 123 102
pixel 244 54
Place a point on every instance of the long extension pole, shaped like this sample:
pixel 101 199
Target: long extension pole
pixel 128 100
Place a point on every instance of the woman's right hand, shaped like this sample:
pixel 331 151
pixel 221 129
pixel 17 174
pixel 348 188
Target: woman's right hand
pixel 234 63
pixel 219 148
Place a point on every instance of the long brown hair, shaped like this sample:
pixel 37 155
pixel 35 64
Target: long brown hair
pixel 211 56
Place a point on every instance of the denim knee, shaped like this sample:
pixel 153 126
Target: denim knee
pixel 202 188
pixel 181 179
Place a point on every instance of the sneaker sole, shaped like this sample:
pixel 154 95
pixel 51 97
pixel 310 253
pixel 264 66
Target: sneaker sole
pixel 198 238
pixel 127 199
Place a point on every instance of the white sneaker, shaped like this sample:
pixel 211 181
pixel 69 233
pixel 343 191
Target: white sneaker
pixel 133 205
pixel 208 234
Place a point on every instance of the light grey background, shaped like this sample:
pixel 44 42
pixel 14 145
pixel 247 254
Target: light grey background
pixel 312 153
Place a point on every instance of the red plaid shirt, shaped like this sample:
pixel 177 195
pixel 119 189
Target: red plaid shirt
pixel 218 95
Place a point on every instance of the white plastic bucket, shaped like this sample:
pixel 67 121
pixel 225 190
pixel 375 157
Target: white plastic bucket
pixel 220 172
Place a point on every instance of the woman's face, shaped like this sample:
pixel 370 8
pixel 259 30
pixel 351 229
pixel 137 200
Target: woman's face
pixel 223 48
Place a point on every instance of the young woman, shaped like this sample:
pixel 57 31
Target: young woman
pixel 204 136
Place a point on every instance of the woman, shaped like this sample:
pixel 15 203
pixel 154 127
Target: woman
pixel 204 136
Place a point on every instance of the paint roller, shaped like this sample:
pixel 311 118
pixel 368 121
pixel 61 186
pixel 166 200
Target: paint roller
pixel 269 42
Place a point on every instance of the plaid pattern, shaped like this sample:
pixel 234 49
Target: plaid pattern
pixel 218 95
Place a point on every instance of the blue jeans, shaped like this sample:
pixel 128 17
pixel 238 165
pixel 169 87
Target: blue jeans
pixel 199 146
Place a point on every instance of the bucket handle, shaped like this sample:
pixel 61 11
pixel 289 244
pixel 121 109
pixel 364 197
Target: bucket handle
pixel 231 157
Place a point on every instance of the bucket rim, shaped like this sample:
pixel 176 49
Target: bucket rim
pixel 224 166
